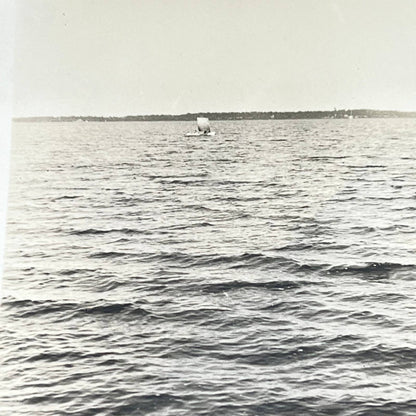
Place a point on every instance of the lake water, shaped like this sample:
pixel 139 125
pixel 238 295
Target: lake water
pixel 270 270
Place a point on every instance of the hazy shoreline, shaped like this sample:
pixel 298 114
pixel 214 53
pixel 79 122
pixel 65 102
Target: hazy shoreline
pixel 252 115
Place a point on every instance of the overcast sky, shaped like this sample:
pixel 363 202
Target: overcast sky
pixel 120 57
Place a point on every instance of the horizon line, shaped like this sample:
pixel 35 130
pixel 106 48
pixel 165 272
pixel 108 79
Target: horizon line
pixel 214 112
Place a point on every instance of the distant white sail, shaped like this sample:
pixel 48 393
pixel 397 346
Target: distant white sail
pixel 203 124
pixel 203 128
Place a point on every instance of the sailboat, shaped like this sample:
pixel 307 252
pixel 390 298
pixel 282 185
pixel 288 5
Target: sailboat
pixel 203 128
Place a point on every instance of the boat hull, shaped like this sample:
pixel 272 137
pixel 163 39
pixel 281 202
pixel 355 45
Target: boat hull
pixel 211 133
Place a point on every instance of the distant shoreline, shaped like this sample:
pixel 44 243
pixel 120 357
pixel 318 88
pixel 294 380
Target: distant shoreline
pixel 252 115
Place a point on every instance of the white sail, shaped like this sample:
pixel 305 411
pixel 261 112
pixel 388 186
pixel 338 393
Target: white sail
pixel 203 124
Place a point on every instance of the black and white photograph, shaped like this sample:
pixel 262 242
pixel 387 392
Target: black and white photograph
pixel 208 208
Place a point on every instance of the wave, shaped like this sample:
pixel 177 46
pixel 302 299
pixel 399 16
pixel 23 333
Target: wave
pixel 96 231
pixel 197 207
pixel 70 272
pixel 185 226
pixel 199 175
pixel 67 197
pixel 111 255
pixel 239 284
pixel 133 231
pixel 25 308
pixel 320 158
pixel 183 181
pixel 133 201
pixel 401 356
pixel 238 261
pixel 367 269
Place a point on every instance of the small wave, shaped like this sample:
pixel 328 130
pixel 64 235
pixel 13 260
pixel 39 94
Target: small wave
pixel 200 208
pixel 133 201
pixel 182 181
pixel 235 199
pixel 200 315
pixel 114 308
pixel 198 175
pixel 70 272
pixel 238 285
pixel 67 197
pixel 126 164
pixel 207 260
pixel 271 357
pixel 319 158
pixel 296 247
pixel 89 231
pixel 186 226
pixel 365 166
pixel 30 308
pixel 238 261
pixel 110 255
pixel 403 356
pixel 95 231
pixel 370 269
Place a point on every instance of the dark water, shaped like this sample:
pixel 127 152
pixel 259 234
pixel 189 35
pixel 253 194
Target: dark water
pixel 267 271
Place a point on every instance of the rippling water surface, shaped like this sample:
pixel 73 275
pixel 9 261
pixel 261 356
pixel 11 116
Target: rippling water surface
pixel 269 270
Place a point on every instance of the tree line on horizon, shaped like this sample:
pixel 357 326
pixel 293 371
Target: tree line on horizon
pixel 252 115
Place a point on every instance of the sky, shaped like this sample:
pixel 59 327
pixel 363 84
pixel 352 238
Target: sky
pixel 126 57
